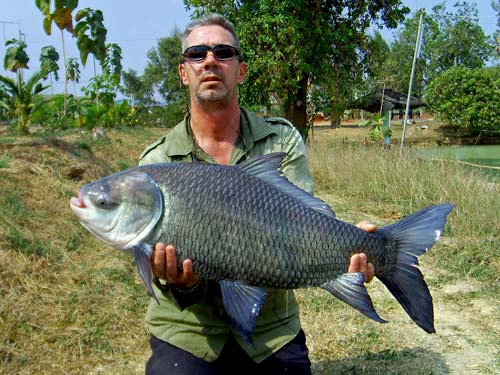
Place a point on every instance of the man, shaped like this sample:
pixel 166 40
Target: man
pixel 190 331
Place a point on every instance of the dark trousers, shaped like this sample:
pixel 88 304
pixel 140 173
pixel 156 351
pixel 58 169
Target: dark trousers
pixel 167 359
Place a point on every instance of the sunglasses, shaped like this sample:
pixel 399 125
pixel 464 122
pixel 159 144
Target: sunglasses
pixel 222 52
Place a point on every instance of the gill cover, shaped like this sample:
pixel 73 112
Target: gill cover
pixel 122 209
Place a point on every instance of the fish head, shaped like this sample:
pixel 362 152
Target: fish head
pixel 121 209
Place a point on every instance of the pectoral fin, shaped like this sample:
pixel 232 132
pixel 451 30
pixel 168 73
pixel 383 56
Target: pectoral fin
pixel 243 304
pixel 350 288
pixel 142 255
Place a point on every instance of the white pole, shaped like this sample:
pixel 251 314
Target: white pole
pixel 415 56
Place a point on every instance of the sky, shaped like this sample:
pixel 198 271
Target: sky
pixel 136 27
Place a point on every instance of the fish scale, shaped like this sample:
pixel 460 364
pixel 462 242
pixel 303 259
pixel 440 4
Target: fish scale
pixel 320 248
pixel 249 229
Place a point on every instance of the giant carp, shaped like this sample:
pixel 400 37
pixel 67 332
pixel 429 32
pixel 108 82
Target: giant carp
pixel 249 229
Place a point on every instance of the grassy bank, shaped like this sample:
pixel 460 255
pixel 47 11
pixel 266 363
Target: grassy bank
pixel 70 305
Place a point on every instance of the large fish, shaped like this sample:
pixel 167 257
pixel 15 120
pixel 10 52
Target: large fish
pixel 249 229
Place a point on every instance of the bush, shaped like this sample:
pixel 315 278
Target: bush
pixel 467 99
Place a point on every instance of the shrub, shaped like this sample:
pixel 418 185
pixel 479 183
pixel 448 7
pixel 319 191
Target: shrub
pixel 467 99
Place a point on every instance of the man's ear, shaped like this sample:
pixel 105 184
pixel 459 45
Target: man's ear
pixel 182 74
pixel 243 72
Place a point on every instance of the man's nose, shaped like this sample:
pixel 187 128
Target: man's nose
pixel 211 59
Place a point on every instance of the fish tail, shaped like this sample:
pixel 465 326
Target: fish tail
pixel 413 236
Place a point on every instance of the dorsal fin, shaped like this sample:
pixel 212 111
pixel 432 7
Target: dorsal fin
pixel 265 167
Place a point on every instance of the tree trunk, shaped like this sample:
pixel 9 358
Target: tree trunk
pixel 296 109
pixel 65 106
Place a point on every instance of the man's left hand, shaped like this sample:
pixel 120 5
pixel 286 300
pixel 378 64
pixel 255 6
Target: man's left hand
pixel 359 262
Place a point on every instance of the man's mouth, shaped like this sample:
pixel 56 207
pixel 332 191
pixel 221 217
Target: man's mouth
pixel 211 78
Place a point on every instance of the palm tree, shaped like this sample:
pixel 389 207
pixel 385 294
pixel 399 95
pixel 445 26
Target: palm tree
pixel 18 97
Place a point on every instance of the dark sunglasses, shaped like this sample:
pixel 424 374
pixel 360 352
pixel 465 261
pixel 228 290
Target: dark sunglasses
pixel 222 52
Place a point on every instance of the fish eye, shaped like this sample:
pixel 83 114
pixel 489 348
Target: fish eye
pixel 103 200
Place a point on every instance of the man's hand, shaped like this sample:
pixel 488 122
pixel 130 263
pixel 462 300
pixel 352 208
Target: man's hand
pixel 359 262
pixel 164 266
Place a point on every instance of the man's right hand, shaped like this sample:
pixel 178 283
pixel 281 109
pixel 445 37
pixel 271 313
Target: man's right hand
pixel 164 266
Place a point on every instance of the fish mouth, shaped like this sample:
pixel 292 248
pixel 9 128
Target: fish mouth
pixel 77 202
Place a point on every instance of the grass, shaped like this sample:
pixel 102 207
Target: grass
pixel 71 305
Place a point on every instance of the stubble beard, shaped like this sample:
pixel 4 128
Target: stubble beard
pixel 215 96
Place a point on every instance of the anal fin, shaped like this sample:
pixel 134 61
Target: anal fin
pixel 350 288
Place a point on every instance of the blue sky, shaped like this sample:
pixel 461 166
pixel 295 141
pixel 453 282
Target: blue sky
pixel 136 28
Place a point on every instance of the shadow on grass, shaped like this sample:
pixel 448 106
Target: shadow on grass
pixel 415 361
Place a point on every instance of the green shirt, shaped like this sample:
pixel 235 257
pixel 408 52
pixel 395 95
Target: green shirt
pixel 202 328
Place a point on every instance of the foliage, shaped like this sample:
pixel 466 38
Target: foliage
pixel 457 30
pixel 90 34
pixel 73 71
pixel 61 15
pixel 135 88
pixel 495 4
pixel 165 116
pixel 294 45
pixel 467 98
pixel 112 63
pixel 50 115
pixel 450 38
pixel 102 87
pixel 15 56
pixel 48 60
pixel 377 131
pixel 19 97
pixel 161 75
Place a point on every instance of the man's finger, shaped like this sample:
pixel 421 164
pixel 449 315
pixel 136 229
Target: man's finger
pixel 171 268
pixel 365 225
pixel 158 261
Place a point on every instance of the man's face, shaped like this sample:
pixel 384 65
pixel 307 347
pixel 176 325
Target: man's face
pixel 212 81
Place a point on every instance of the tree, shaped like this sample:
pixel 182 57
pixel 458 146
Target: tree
pixel 73 71
pixel 62 17
pixel 296 45
pixel 460 41
pixel 161 75
pixel 19 96
pixel 495 4
pixel 48 62
pixel 400 60
pixel 15 57
pixel 450 38
pixel 90 34
pixel 135 88
pixel 113 60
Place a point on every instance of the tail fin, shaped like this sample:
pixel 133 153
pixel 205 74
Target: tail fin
pixel 414 235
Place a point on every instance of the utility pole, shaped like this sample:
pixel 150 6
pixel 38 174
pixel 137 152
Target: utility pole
pixel 415 56
pixel 18 23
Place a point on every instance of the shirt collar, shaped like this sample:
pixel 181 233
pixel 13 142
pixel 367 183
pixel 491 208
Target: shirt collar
pixel 253 127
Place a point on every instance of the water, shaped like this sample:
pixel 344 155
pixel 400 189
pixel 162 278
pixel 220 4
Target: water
pixel 477 157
